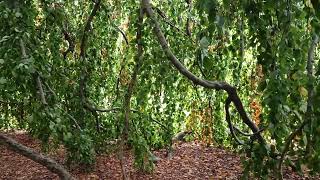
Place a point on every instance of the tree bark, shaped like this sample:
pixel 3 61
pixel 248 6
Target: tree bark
pixel 49 163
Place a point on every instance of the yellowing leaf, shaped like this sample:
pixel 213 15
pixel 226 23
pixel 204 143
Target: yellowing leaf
pixel 295 76
pixel 303 91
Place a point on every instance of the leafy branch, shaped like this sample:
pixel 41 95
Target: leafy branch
pixel 308 117
pixel 84 74
pixel 217 85
pixel 128 95
pixel 167 21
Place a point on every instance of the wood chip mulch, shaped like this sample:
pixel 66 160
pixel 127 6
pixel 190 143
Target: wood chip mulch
pixel 190 161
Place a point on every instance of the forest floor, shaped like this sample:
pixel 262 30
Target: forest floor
pixel 190 161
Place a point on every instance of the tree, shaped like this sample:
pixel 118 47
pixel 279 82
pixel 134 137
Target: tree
pixel 84 73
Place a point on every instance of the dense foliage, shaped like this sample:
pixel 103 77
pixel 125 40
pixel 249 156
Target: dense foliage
pixel 76 73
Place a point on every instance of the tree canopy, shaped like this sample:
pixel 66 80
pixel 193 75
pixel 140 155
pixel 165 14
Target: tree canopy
pixel 242 74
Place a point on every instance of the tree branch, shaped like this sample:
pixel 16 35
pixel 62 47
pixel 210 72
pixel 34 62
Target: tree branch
pixel 188 23
pixel 37 76
pixel 49 163
pixel 139 58
pixel 84 74
pixel 310 88
pixel 227 105
pixel 165 18
pixel 123 35
pixel 247 134
pixel 308 117
pixel 87 28
pixel 41 92
pixel 217 85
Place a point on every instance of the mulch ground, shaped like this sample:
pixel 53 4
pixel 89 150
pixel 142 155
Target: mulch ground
pixel 190 161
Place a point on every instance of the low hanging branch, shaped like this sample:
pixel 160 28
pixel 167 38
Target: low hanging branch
pixel 247 134
pixel 128 95
pixel 188 23
pixel 217 85
pixel 308 117
pixel 227 105
pixel 165 18
pixel 136 69
pixel 41 92
pixel 123 35
pixel 84 74
pixel 36 74
pixel 49 163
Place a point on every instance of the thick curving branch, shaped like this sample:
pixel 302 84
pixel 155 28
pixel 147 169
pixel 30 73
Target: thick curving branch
pixel 247 134
pixel 49 163
pixel 84 74
pixel 217 85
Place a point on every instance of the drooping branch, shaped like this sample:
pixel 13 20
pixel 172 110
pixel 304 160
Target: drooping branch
pixel 308 117
pixel 247 134
pixel 84 74
pixel 188 23
pixel 128 95
pixel 287 145
pixel 310 88
pixel 227 105
pixel 87 28
pixel 217 85
pixel 123 35
pixel 166 20
pixel 23 51
pixel 41 92
pixel 36 74
pixel 49 163
pixel 136 69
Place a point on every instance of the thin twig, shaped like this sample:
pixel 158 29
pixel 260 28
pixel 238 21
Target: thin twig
pixel 123 35
pixel 166 20
pixel 41 92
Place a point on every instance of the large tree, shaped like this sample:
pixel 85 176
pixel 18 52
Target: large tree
pixel 84 73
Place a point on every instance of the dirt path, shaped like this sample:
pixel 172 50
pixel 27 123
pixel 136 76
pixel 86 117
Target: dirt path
pixel 191 161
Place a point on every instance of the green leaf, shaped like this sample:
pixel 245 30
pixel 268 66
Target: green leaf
pixel 2 80
pixel 204 43
pixel 4 38
pixel 18 14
